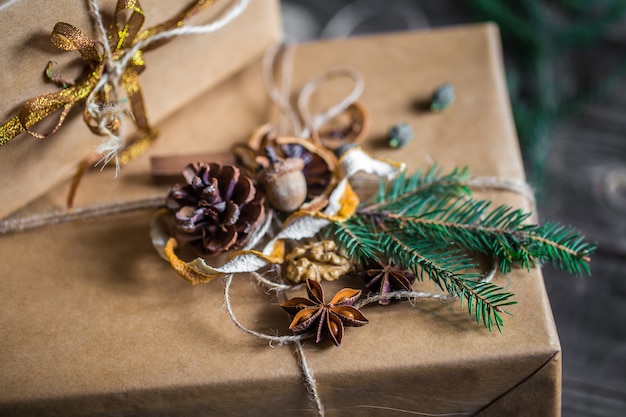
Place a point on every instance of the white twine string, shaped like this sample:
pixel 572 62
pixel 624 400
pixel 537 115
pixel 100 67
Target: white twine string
pixel 414 296
pixel 280 96
pixel 309 379
pixel 307 371
pixel 274 286
pixel 507 184
pixel 279 340
pixel 236 9
pixel 285 85
pixel 104 115
pixel 96 211
pixel 102 34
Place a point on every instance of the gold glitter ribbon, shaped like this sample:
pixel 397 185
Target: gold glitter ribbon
pixel 124 32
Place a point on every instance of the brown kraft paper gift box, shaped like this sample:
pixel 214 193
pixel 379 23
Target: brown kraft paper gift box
pixel 175 73
pixel 95 323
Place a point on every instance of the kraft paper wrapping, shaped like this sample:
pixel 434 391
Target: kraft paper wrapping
pixel 175 74
pixel 94 322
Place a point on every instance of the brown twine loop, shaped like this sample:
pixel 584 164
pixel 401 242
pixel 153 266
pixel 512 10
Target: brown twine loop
pixel 274 340
pixel 304 123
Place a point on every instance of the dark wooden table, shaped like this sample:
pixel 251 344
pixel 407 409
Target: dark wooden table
pixel 584 185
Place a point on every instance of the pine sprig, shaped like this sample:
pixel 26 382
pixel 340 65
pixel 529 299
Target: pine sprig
pixel 501 232
pixel 437 261
pixel 429 224
pixel 561 245
pixel 487 301
pixel 404 191
pixel 356 240
pixel 442 263
pixel 448 267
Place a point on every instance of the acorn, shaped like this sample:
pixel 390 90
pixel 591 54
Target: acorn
pixel 284 183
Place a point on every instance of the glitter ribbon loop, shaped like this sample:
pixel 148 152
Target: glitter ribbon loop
pixel 69 38
pixel 37 109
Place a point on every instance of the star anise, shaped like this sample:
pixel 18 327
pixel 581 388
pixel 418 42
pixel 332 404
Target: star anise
pixel 314 313
pixel 387 278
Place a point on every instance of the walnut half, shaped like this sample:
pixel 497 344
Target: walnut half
pixel 316 261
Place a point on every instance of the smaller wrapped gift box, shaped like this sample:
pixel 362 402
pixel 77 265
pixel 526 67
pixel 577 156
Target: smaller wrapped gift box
pixel 95 323
pixel 175 73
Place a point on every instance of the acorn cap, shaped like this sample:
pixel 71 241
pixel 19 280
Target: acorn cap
pixel 280 167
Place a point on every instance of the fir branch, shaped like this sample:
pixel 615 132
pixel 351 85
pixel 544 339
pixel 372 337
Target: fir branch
pixel 429 224
pixel 441 263
pixel 447 269
pixel 561 245
pixel 435 259
pixel 403 191
pixel 356 240
pixel 501 232
pixel 489 302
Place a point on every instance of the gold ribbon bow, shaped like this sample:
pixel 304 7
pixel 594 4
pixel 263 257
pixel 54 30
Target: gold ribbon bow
pixel 123 34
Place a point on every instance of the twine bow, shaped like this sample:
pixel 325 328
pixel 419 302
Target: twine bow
pixel 119 64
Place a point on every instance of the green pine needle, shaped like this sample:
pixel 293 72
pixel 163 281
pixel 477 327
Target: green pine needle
pixel 403 191
pixel 448 267
pixel 356 240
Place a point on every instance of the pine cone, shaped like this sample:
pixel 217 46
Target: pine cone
pixel 217 210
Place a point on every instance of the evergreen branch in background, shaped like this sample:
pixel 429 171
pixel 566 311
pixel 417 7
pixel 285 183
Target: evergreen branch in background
pixel 539 38
pixel 429 224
